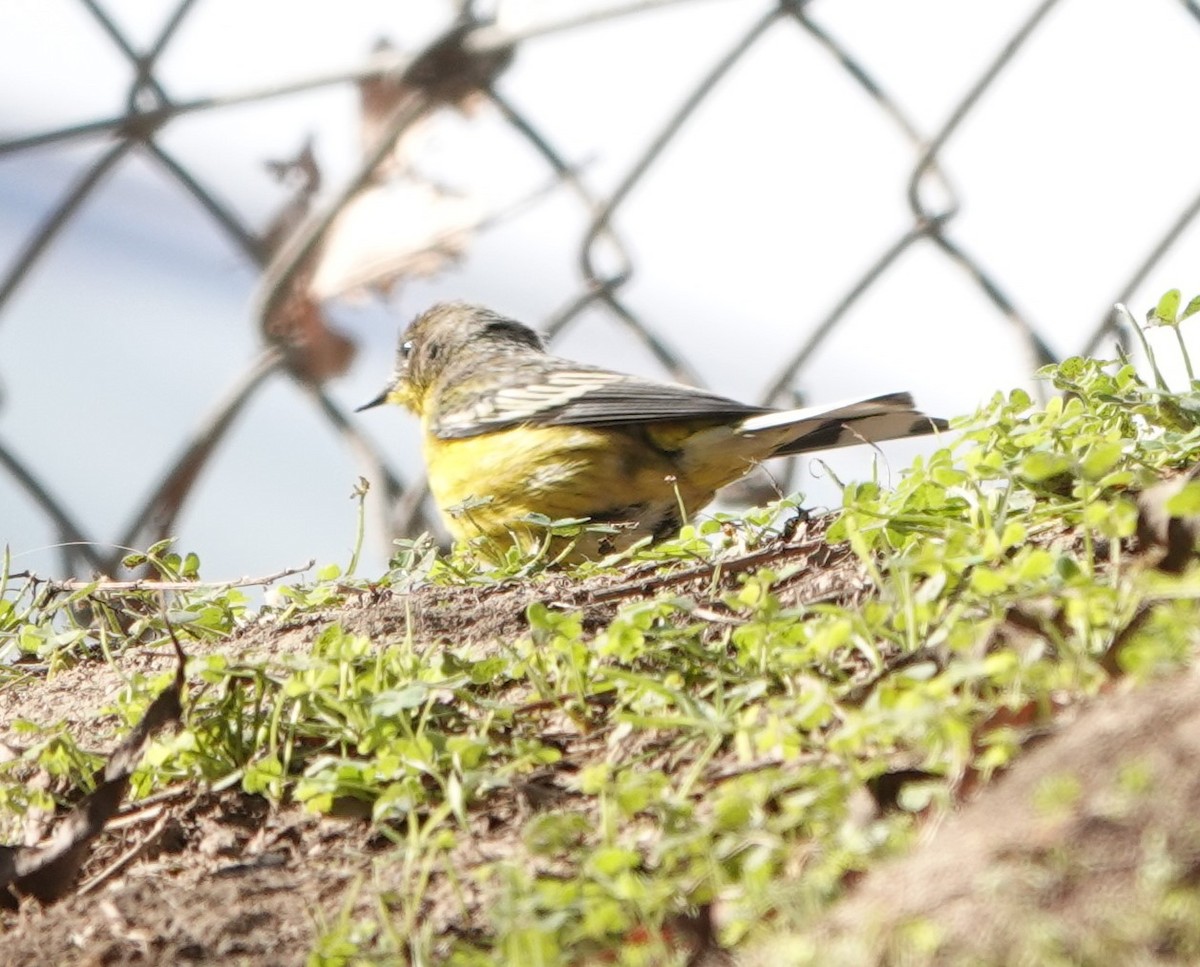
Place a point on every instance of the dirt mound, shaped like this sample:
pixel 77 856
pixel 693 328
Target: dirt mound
pixel 1087 851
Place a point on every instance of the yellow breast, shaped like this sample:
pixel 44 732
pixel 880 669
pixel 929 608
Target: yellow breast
pixel 486 484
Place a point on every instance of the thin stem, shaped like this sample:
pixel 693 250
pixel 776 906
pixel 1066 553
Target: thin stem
pixel 1123 312
pixel 1187 359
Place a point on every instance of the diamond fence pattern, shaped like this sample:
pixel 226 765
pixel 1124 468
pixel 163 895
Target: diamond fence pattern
pixel 462 68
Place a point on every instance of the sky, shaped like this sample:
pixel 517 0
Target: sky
pixel 784 185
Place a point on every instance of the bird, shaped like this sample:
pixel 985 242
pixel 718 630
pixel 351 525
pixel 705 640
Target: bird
pixel 511 432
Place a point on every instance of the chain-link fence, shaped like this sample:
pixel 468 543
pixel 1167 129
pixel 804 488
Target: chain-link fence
pixel 383 220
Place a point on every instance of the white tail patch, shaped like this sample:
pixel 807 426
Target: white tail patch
pixel 891 404
pixel 871 420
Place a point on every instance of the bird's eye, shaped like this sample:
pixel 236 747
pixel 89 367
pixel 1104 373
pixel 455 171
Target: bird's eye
pixel 406 349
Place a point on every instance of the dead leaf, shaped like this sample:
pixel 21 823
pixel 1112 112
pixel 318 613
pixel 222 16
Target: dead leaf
pixel 48 872
pixel 1156 527
pixel 448 73
pixel 315 352
pixel 395 226
pixel 303 175
pixel 392 232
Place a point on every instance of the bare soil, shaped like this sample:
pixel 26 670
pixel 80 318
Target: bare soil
pixel 200 877
pixel 1087 851
pixel 195 876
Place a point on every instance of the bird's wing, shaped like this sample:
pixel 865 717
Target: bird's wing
pixel 580 396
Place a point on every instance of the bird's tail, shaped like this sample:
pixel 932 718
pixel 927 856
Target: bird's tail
pixel 880 418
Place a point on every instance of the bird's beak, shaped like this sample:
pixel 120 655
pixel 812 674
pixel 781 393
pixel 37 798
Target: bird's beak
pixel 381 398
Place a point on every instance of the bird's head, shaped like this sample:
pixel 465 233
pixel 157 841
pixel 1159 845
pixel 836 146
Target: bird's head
pixel 451 338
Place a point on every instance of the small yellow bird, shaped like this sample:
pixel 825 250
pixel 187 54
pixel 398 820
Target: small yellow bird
pixel 510 431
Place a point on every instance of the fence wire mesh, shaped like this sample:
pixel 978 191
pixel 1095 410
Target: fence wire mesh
pixel 320 244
